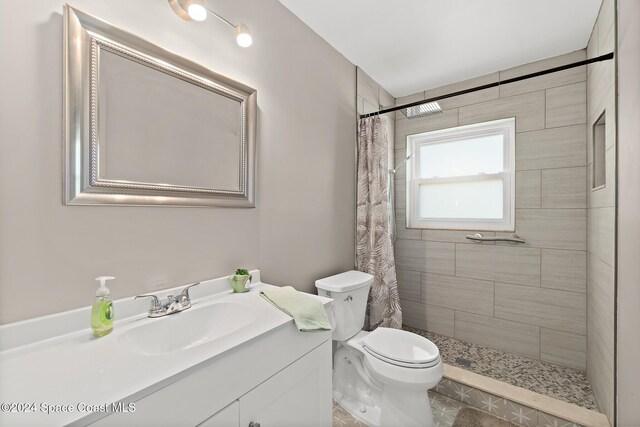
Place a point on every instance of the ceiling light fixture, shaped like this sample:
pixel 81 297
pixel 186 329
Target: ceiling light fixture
pixel 196 10
pixel 243 37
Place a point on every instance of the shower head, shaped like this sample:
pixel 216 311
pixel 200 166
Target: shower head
pixel 422 110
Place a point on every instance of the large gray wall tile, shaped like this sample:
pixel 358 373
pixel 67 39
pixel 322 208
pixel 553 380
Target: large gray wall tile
pixel 402 232
pixel 592 230
pixel 384 98
pixel 440 320
pixel 548 308
pixel 421 255
pixel 528 109
pixel 563 269
pixel 499 263
pixel 563 348
pixel 608 41
pixel 404 127
pixel 427 317
pixel 414 314
pixel 544 64
pixel 497 333
pixel 409 285
pixel 552 148
pixel 606 18
pixel 418 96
pixel 564 188
pixel 359 105
pixel 528 189
pixel 470 295
pixel 606 196
pixel 561 78
pixel 593 48
pixel 600 82
pixel 553 228
pixel 601 332
pixel 566 105
pixel 368 107
pixel 600 359
pixel 610 117
pixel 455 236
pixel 401 205
pixel 606 235
pixel 467 99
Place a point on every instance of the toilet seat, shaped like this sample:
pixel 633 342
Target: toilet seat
pixel 401 364
pixel 401 348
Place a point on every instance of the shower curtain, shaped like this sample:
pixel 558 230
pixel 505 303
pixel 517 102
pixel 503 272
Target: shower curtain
pixel 374 249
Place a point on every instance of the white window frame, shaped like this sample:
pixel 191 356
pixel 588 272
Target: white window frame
pixel 505 127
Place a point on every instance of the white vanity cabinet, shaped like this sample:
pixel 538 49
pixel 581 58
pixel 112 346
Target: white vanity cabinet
pixel 295 396
pixel 298 396
pixel 280 379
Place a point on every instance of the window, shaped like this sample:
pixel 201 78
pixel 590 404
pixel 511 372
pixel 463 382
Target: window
pixel 462 178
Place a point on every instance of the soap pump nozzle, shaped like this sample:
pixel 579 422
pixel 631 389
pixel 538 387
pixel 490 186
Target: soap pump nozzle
pixel 103 290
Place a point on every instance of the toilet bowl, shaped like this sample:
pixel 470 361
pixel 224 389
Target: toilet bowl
pixel 381 377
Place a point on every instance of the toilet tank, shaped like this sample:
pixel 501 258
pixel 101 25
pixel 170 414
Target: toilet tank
pixel 349 291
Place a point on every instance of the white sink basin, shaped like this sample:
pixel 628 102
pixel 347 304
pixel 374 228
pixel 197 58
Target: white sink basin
pixel 187 329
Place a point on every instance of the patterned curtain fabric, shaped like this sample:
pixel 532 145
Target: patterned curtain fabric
pixel 374 249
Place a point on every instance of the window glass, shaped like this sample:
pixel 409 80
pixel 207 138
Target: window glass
pixel 458 200
pixel 469 156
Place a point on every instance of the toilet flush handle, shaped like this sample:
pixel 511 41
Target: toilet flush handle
pixel 349 298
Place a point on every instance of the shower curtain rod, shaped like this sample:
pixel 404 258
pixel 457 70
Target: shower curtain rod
pixel 605 57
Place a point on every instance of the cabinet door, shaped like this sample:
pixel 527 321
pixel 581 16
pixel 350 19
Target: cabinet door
pixel 297 396
pixel 228 417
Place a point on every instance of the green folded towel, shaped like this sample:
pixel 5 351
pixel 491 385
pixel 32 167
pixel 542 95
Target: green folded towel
pixel 308 313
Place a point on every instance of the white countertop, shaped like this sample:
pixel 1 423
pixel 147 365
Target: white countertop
pixel 76 368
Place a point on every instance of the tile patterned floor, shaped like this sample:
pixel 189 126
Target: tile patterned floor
pixel 567 384
pixel 444 410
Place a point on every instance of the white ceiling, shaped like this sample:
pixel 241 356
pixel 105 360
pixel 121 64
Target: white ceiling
pixel 412 45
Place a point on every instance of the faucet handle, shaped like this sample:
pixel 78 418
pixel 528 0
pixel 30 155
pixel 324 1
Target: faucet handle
pixel 155 303
pixel 185 291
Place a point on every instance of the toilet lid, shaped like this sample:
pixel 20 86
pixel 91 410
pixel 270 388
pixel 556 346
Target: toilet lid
pixel 401 346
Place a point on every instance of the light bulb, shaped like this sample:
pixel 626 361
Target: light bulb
pixel 197 12
pixel 243 37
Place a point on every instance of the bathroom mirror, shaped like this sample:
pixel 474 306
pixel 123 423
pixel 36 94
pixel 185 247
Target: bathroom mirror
pixel 144 126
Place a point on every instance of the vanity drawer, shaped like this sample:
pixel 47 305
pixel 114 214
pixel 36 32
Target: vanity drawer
pixel 228 417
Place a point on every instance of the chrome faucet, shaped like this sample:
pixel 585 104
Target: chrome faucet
pixel 173 304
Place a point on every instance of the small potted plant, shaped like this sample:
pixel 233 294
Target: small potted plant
pixel 239 280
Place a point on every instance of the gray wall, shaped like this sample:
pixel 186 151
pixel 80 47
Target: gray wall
pixel 628 378
pixel 528 299
pixel 302 228
pixel 601 213
pixel 370 96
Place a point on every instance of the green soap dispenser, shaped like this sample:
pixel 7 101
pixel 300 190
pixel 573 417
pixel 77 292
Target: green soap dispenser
pixel 102 309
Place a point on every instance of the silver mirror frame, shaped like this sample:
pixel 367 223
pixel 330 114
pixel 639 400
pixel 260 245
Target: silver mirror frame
pixel 84 37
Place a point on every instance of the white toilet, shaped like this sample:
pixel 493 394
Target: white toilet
pixel 380 377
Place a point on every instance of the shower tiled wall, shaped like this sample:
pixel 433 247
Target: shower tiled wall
pixel 601 214
pixel 528 299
